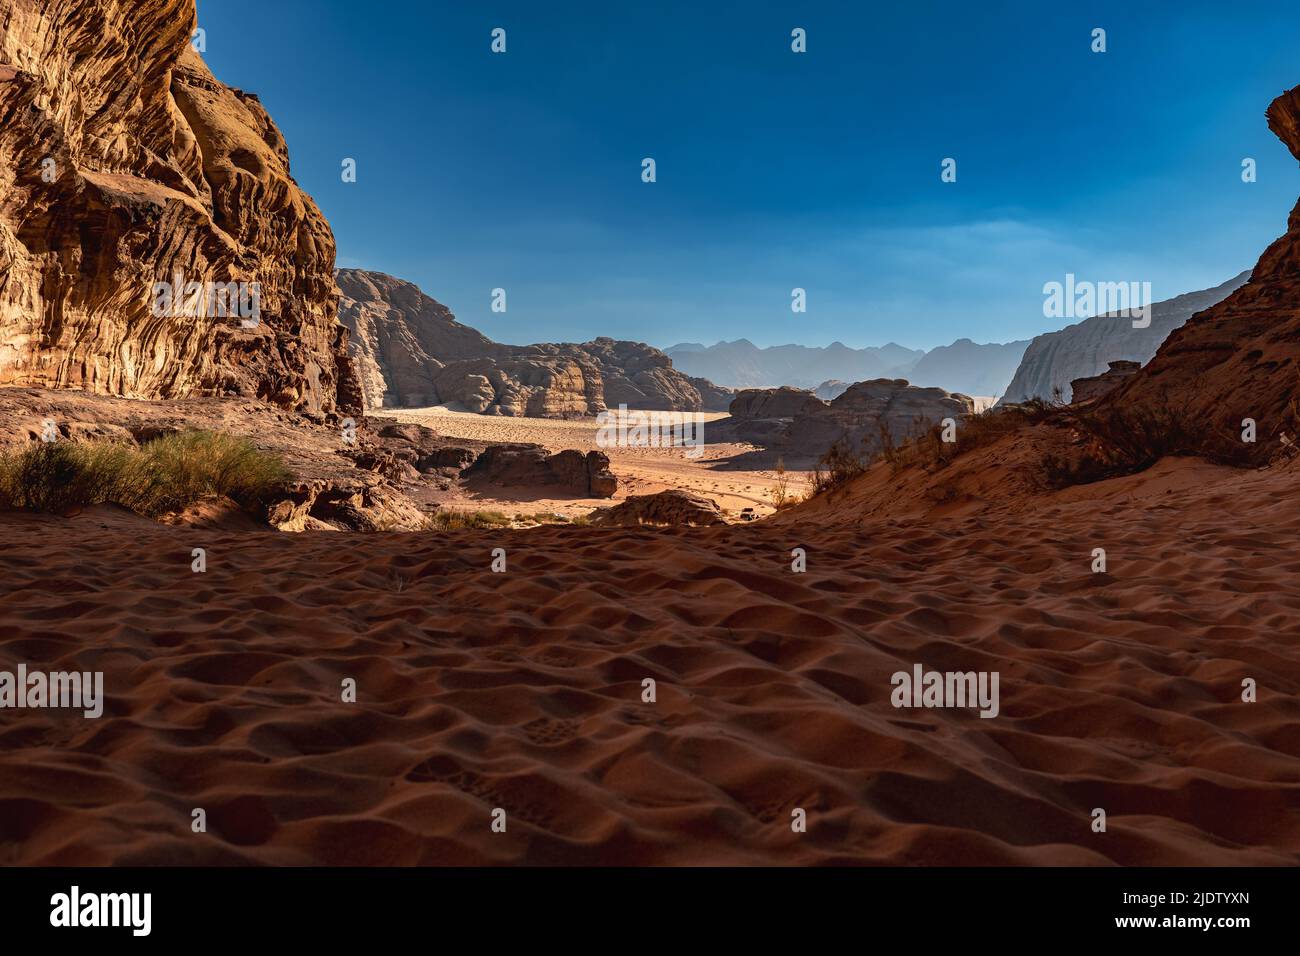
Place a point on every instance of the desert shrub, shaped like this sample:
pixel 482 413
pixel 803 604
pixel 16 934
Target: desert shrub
pixel 781 495
pixel 930 452
pixel 460 520
pixel 163 476
pixel 199 464
pixel 840 465
pixel 1119 441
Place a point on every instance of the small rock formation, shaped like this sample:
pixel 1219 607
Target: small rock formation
pixel 672 507
pixel 1241 358
pixel 783 402
pixel 584 476
pixel 831 389
pixel 857 418
pixel 762 416
pixel 1053 360
pixel 1088 389
pixel 412 352
pixel 127 164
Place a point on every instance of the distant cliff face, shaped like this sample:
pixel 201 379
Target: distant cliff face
pixel 126 164
pixel 741 364
pixel 1084 350
pixel 1241 358
pixel 411 351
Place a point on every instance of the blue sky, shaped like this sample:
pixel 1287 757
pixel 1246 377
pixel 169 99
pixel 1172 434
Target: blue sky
pixel 776 170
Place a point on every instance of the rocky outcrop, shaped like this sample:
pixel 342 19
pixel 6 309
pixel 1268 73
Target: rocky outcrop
pixel 1239 359
pixel 762 416
pixel 412 352
pixel 126 164
pixel 1093 388
pixel 861 419
pixel 870 413
pixel 664 508
pixel 781 402
pixel 522 465
pixel 1053 360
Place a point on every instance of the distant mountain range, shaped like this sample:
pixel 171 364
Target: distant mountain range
pixel 742 364
pixel 964 366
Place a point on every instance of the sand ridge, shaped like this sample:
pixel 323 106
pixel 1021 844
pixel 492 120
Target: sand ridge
pixel 523 690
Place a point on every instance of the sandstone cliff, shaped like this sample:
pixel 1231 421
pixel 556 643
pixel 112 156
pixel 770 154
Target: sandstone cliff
pixel 412 352
pixel 1083 350
pixel 124 163
pixel 1241 358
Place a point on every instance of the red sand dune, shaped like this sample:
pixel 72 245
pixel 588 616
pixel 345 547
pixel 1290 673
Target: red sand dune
pixel 523 690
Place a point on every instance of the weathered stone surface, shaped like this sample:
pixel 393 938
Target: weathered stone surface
pixel 671 507
pixel 412 352
pixel 856 419
pixel 1053 360
pixel 1090 389
pixel 124 163
pixel 584 475
pixel 784 402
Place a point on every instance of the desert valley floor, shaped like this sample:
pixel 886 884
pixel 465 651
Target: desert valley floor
pixel 522 690
pixel 713 472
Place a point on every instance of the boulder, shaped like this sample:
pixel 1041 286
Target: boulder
pixel 583 475
pixel 672 507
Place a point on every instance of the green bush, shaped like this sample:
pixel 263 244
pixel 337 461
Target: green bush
pixel 458 520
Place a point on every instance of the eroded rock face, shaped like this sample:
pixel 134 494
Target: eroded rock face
pixel 125 164
pixel 1241 358
pixel 412 352
pixel 784 402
